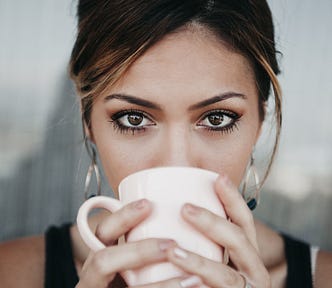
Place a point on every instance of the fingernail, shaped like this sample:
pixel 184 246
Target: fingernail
pixel 140 204
pixel 190 282
pixel 166 244
pixel 179 253
pixel 191 209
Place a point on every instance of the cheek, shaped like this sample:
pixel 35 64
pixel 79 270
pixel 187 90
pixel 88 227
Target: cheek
pixel 230 158
pixel 121 158
pixel 115 154
pixel 238 161
pixel 232 154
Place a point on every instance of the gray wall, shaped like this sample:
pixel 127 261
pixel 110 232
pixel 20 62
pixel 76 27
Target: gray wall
pixel 42 158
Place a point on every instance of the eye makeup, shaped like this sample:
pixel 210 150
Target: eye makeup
pixel 131 121
pixel 219 120
pixel 137 121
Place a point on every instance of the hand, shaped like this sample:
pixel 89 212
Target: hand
pixel 101 267
pixel 238 236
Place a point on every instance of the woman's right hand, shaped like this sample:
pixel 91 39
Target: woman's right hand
pixel 101 267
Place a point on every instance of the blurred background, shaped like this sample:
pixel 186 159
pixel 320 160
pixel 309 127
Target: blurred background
pixel 42 158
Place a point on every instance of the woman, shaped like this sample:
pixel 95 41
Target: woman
pixel 172 83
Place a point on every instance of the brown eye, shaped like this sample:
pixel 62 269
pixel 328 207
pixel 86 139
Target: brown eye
pixel 216 119
pixel 135 119
pixel 128 120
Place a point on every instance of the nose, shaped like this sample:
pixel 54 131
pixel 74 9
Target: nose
pixel 176 147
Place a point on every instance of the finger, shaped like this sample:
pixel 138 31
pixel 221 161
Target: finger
pixel 120 222
pixel 226 234
pixel 213 274
pixel 235 207
pixel 101 266
pixel 185 282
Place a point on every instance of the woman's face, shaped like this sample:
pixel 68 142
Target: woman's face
pixel 188 101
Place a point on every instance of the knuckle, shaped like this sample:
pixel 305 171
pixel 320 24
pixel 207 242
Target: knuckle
pixel 200 263
pixel 201 266
pixel 101 232
pixel 97 268
pixel 105 234
pixel 140 249
pixel 146 250
pixel 105 230
pixel 231 279
pixel 210 222
pixel 99 263
pixel 124 222
pixel 125 217
pixel 240 239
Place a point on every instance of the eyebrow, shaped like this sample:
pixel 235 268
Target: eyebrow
pixel 149 104
pixel 217 98
pixel 133 100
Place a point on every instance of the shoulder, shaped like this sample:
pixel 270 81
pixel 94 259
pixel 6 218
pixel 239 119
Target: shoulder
pixel 272 249
pixel 22 262
pixel 323 269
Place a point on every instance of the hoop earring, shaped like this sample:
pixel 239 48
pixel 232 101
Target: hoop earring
pixel 252 199
pixel 92 168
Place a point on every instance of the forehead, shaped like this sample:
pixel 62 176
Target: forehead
pixel 188 62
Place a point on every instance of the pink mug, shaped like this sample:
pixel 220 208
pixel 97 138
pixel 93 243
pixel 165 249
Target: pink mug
pixel 168 188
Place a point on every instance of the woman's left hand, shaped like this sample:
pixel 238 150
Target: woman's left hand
pixel 238 236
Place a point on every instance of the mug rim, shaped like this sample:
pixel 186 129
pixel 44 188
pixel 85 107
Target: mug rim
pixel 173 168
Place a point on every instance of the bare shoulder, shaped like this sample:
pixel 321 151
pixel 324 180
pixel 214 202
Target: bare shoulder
pixel 22 262
pixel 323 273
pixel 272 251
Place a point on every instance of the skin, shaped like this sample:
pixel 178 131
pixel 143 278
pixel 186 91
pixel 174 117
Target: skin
pixel 176 80
pixel 176 74
pixel 175 130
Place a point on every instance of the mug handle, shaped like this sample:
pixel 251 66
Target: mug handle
pixel 90 238
pixel 87 235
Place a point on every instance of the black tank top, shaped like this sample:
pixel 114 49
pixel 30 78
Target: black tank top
pixel 60 271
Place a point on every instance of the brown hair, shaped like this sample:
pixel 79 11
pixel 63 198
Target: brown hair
pixel 113 34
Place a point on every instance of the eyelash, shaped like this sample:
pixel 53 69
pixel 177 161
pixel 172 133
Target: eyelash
pixel 226 129
pixel 118 126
